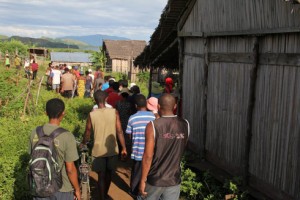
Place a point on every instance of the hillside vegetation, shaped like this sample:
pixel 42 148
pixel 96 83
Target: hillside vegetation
pixel 16 126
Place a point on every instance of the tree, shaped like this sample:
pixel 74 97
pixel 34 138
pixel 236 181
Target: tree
pixel 99 58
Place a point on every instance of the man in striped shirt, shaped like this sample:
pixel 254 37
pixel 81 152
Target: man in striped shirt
pixel 136 128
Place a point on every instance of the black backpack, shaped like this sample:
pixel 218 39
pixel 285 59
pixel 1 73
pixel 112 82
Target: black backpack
pixel 44 171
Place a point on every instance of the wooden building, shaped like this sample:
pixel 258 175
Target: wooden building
pixel 239 63
pixel 121 54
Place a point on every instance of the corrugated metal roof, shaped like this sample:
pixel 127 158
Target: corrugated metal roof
pixel 71 57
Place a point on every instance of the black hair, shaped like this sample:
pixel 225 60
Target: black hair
pixel 110 83
pixel 135 89
pixel 87 73
pixel 54 108
pixel 100 96
pixel 115 86
pixel 124 83
pixel 140 101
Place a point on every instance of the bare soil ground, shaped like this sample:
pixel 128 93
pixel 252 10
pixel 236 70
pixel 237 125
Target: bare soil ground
pixel 120 182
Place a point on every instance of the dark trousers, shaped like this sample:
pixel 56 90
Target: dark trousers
pixel 34 75
pixel 136 174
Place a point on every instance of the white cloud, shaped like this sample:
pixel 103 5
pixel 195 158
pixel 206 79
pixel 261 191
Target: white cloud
pixel 135 19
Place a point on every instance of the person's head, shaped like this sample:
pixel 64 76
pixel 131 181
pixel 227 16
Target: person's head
pixel 123 83
pixel 152 103
pixel 166 104
pixel 106 78
pixel 125 95
pixel 66 70
pixel 110 83
pixel 135 89
pixel 55 108
pixel 87 73
pixel 33 61
pixel 90 71
pixel 140 101
pixel 115 86
pixel 16 55
pixel 100 97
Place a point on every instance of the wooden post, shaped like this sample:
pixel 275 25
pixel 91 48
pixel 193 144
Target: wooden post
pixel 250 109
pixel 150 82
pixel 38 93
pixel 205 86
pixel 180 83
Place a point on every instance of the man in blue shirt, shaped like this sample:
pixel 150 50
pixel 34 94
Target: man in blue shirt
pixel 136 128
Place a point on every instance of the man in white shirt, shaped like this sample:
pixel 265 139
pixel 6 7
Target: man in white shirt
pixel 55 76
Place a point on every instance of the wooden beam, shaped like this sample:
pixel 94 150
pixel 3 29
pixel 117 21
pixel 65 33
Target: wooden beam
pixel 238 33
pixel 164 51
pixel 186 14
pixel 286 59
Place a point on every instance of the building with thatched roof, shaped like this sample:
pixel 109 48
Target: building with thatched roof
pixel 121 54
pixel 239 64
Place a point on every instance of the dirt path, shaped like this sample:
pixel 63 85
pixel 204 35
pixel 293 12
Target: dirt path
pixel 120 182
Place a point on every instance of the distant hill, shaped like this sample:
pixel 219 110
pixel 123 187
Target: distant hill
pixel 94 40
pixel 42 42
pixel 3 37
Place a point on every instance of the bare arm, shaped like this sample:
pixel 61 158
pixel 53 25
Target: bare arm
pixel 120 134
pixel 72 174
pixel 147 157
pixel 87 133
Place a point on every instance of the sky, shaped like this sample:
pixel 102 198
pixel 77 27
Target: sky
pixel 133 19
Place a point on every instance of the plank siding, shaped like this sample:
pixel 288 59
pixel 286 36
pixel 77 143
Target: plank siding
pixel 276 125
pixel 194 94
pixel 239 15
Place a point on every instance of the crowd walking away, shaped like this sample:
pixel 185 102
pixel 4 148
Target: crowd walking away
pixel 123 126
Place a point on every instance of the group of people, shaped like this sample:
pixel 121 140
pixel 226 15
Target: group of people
pixel 123 122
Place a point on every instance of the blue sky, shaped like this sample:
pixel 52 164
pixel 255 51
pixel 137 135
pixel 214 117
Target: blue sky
pixel 134 19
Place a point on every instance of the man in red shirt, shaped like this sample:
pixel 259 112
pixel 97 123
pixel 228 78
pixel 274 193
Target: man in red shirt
pixel 34 68
pixel 114 96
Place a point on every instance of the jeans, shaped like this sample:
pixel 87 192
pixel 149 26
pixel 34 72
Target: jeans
pixel 58 196
pixel 161 193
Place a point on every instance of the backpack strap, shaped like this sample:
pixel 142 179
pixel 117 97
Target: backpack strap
pixel 57 132
pixel 40 131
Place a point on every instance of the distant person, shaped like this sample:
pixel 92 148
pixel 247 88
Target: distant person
pixel 106 84
pixel 135 90
pixel 105 123
pixel 7 62
pixel 68 81
pixel 168 85
pixel 55 79
pixel 152 103
pixel 88 85
pixel 17 62
pixel 66 147
pixel 34 68
pixel 166 139
pixel 99 81
pixel 114 96
pixel 156 90
pixel 124 86
pixel 136 130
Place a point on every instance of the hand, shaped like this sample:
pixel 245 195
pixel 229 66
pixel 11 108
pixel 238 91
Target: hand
pixel 142 189
pixel 77 194
pixel 123 153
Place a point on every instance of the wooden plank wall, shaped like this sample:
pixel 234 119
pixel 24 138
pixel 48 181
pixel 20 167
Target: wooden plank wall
pixel 219 110
pixel 238 15
pixel 274 156
pixel 193 103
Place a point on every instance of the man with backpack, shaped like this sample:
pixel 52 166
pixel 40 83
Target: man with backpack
pixel 52 172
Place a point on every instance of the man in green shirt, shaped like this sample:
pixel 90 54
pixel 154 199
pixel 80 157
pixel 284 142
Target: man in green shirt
pixel 66 146
pixel 7 63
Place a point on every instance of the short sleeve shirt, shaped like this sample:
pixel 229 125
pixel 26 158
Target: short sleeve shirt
pixel 136 127
pixel 67 150
pixel 55 74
